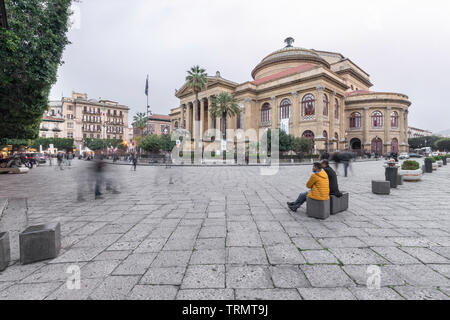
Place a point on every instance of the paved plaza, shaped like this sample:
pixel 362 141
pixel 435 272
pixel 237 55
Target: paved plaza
pixel 226 233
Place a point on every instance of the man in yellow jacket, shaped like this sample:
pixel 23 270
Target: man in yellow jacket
pixel 319 185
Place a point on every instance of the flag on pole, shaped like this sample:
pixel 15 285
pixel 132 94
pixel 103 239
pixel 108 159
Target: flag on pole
pixel 146 87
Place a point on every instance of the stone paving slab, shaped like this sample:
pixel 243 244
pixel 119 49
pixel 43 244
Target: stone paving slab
pixel 225 233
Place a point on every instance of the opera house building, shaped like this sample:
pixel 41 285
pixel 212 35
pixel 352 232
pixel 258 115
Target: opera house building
pixel 319 95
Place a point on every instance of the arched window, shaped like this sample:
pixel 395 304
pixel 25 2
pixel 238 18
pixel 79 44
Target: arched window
pixel 394 145
pixel 285 108
pixel 355 120
pixel 325 105
pixel 308 135
pixel 336 109
pixel 265 113
pixel 308 105
pixel 377 119
pixel 394 119
pixel 336 136
pixel 176 124
pixel 325 134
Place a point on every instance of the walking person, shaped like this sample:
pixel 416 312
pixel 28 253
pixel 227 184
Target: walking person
pixel 319 185
pixel 70 158
pixel 135 160
pixel 59 158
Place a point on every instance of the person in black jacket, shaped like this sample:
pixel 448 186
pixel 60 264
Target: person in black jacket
pixel 334 187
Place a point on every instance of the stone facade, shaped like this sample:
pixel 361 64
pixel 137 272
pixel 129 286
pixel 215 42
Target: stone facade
pixel 89 118
pixel 417 133
pixel 320 95
pixel 53 122
pixel 156 124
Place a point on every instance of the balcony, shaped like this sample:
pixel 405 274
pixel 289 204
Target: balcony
pixel 57 129
pixel 43 129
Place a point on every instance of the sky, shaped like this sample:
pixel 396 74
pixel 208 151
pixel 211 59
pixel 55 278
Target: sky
pixel 403 44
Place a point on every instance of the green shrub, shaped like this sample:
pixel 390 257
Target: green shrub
pixel 438 158
pixel 433 160
pixel 410 165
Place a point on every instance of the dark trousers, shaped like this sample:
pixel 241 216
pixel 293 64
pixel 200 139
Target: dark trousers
pixel 300 200
pixel 346 164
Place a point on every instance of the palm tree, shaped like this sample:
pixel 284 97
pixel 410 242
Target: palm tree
pixel 197 81
pixel 140 120
pixel 224 105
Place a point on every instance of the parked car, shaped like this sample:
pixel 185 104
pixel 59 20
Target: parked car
pixel 403 155
pixel 37 157
pixel 41 158
pixel 435 154
pixel 415 155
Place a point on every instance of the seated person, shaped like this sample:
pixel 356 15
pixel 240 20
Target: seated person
pixel 334 188
pixel 319 185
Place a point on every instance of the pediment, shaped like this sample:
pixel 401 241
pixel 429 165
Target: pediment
pixel 212 82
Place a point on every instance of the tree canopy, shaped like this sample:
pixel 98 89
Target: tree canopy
pixel 30 52
pixel 421 142
pixel 443 144
pixel 196 79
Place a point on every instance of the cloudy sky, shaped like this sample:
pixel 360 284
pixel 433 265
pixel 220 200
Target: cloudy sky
pixel 402 44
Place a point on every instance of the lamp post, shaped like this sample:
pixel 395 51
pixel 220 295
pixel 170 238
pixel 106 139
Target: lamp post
pixel 166 131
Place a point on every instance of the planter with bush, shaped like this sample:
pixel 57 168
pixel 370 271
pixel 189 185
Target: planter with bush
pixel 411 171
pixel 439 161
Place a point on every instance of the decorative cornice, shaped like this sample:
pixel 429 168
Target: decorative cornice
pixel 356 75
pixel 375 100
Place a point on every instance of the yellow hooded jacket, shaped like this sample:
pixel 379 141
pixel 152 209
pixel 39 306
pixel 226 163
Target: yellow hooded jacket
pixel 319 185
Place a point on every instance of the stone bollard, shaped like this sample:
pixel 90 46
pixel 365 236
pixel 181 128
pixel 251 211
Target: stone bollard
pixel 400 180
pixel 318 209
pixel 5 251
pixel 40 242
pixel 381 187
pixel 338 205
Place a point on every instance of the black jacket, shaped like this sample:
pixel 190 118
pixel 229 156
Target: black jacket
pixel 334 188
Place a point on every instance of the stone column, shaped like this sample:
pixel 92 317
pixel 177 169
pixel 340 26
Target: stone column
pixel 182 116
pixel 366 124
pixel 202 118
pixel 188 118
pixel 319 117
pixel 406 125
pixel 274 113
pixel 331 119
pixel 387 130
pixel 296 114
pixel 209 114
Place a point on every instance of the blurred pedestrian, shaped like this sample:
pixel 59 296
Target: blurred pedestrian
pixel 135 160
pixel 59 158
pixel 70 158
